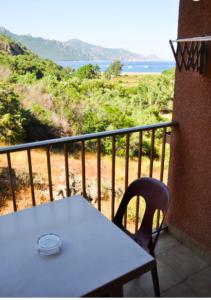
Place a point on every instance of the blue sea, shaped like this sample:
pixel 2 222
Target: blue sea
pixel 128 66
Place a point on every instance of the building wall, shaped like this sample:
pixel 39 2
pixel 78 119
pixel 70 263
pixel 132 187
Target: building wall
pixel 190 162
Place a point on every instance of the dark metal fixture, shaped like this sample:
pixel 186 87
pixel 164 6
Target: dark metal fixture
pixel 190 53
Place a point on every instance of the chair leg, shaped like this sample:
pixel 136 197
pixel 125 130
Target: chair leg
pixel 155 280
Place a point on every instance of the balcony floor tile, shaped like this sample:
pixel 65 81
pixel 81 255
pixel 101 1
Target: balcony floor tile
pixel 180 290
pixel 131 290
pixel 201 283
pixel 167 278
pixel 182 273
pixel 165 242
pixel 183 261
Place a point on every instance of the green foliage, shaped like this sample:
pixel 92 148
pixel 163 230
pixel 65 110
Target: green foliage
pixel 157 91
pixel 27 78
pixel 12 116
pixel 27 64
pixel 63 101
pixel 105 115
pixel 18 124
pixel 114 69
pixel 99 105
pixel 165 88
pixel 42 114
pixel 88 72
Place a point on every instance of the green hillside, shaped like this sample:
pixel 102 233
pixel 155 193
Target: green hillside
pixel 41 100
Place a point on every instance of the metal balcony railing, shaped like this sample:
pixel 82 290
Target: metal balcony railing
pixel 81 140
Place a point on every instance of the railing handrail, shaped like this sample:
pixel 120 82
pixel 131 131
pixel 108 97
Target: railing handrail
pixel 84 137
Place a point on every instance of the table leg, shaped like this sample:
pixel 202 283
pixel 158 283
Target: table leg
pixel 155 280
pixel 116 292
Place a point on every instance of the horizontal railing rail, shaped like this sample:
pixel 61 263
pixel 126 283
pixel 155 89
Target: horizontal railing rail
pixel 98 138
pixel 84 137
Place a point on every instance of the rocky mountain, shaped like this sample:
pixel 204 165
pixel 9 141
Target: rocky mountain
pixel 10 47
pixel 74 49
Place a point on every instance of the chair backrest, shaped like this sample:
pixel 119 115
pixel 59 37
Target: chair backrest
pixel 157 196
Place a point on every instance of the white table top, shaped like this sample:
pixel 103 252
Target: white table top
pixel 94 253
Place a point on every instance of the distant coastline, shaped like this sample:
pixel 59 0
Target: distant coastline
pixel 140 73
pixel 129 67
pixel 75 49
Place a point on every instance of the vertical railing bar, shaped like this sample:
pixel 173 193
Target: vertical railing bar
pixel 66 170
pixel 31 176
pixel 126 171
pixel 140 153
pixel 127 160
pixel 163 154
pixel 162 169
pixel 99 173
pixel 83 168
pixel 49 173
pixel 11 181
pixel 152 153
pixel 138 175
pixel 113 176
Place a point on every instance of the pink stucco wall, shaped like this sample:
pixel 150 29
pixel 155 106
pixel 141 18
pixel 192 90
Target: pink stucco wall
pixel 190 162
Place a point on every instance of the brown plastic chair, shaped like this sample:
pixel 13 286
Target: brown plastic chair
pixel 157 196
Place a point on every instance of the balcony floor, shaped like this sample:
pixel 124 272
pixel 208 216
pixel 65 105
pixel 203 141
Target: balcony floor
pixel 182 273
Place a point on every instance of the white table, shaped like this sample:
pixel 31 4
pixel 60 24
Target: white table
pixel 96 257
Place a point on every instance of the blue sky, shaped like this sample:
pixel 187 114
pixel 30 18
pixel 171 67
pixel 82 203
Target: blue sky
pixel 142 26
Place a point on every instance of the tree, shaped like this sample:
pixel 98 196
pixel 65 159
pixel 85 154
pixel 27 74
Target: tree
pixel 114 69
pixel 88 72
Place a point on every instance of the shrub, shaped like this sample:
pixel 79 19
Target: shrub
pixel 88 72
pixel 18 124
pixel 114 69
pixel 12 116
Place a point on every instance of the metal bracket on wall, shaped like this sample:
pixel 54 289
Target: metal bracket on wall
pixel 190 53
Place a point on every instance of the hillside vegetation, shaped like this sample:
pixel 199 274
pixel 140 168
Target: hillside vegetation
pixel 41 100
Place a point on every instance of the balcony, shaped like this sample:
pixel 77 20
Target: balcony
pixel 182 273
pixel 45 171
